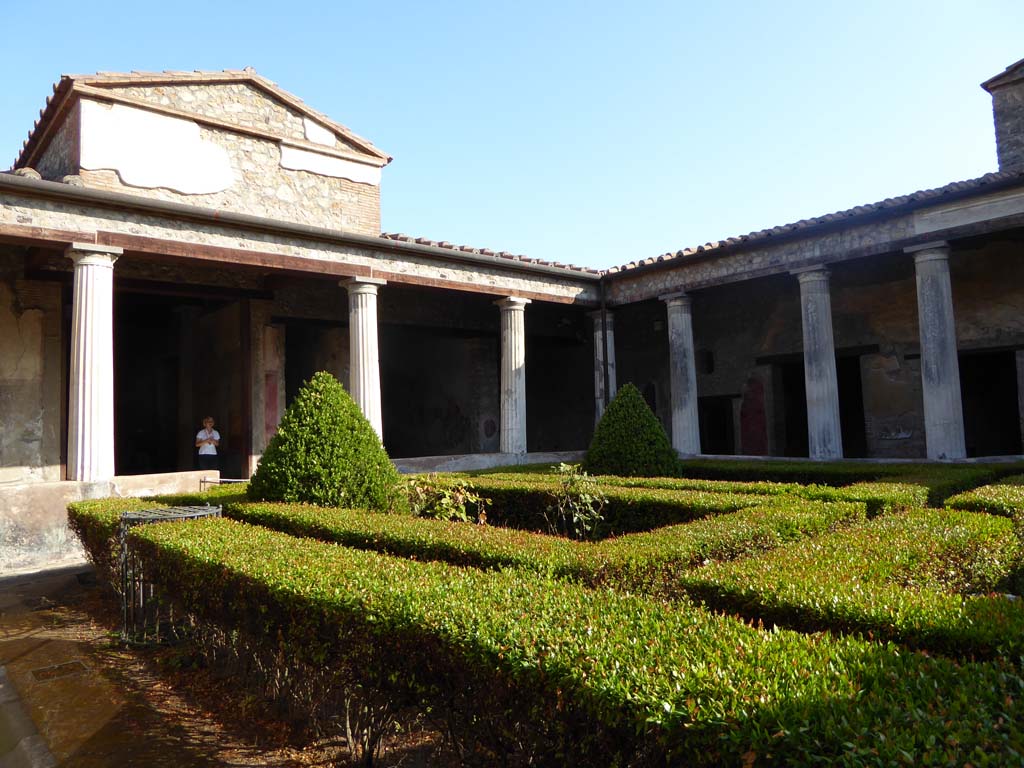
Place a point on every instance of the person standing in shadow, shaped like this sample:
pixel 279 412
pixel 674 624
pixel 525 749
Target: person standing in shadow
pixel 207 440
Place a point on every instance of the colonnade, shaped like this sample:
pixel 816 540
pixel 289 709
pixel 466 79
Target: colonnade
pixel 91 395
pixel 940 372
pixel 91 404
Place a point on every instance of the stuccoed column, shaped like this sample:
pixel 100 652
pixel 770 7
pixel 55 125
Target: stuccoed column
pixel 603 338
pixel 91 395
pixel 682 374
pixel 364 363
pixel 940 368
pixel 824 432
pixel 513 375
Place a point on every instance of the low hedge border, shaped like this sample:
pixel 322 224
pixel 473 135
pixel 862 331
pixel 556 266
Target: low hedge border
pixel 645 562
pixel 1005 498
pixel 96 523
pixel 585 677
pixel 920 578
pixel 880 497
pixel 521 505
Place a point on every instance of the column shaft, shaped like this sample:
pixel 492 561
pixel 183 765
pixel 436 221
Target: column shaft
pixel 364 363
pixel 824 432
pixel 682 375
pixel 91 396
pixel 603 339
pixel 940 368
pixel 513 375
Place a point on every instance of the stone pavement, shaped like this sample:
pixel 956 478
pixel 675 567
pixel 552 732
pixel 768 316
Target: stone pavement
pixel 52 699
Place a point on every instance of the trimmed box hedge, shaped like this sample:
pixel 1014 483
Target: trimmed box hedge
pixel 880 497
pixel 521 504
pixel 1004 498
pixel 924 578
pixel 646 562
pixel 551 673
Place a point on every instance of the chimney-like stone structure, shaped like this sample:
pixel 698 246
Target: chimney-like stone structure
pixel 1007 90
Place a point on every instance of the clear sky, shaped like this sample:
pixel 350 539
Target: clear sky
pixel 594 133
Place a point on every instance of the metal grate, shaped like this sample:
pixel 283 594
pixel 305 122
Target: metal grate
pixel 140 610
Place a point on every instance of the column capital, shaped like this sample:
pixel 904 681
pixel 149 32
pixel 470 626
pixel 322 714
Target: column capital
pixel 355 285
pixel 93 255
pixel 512 303
pixel 677 299
pixel 817 274
pixel 937 250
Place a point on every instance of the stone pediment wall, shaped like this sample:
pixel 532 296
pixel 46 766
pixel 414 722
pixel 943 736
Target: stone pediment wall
pixel 278 163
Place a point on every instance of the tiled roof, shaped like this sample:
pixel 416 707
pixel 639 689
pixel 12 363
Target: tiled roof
pixel 849 216
pixel 486 252
pixel 63 87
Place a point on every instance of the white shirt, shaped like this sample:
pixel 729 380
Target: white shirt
pixel 206 449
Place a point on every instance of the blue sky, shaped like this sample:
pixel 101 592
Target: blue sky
pixel 594 133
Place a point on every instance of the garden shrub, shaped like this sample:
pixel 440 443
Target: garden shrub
pixel 629 440
pixel 928 578
pixel 326 453
pixel 526 671
pixel 577 505
pixel 524 505
pixel 646 562
pixel 450 499
pixel 96 523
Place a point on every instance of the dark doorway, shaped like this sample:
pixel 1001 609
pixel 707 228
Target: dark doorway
pixel 146 361
pixel 988 387
pixel 851 408
pixel 299 359
pixel 794 408
pixel 794 440
pixel 717 426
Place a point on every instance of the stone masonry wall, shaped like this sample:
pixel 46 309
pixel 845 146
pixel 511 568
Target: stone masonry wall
pixel 1008 110
pixel 240 104
pixel 22 211
pixel 61 155
pixel 30 376
pixel 263 188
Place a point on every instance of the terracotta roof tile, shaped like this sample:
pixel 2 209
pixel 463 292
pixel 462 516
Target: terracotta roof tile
pixel 919 197
pixel 444 244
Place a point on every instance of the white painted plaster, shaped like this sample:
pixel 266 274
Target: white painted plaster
pixel 297 159
pixel 317 133
pixel 150 150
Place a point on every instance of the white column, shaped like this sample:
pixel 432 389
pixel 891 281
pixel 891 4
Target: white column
pixel 682 374
pixel 513 375
pixel 601 341
pixel 824 433
pixel 940 368
pixel 91 396
pixel 364 363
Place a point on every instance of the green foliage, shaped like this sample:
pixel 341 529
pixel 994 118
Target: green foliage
pixel 879 496
pixel 1006 499
pixel 452 500
pixel 928 578
pixel 96 523
pixel 941 480
pixel 629 440
pixel 326 453
pixel 577 504
pixel 523 503
pixel 554 674
pixel 647 563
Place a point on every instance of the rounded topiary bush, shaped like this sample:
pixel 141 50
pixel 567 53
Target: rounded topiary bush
pixel 629 440
pixel 325 452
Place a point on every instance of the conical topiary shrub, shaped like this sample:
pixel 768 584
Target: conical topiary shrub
pixel 325 452
pixel 630 441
